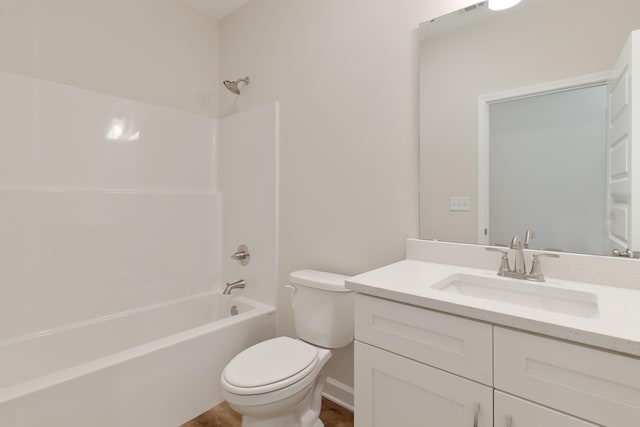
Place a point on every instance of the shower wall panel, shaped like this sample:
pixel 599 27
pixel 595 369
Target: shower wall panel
pixel 105 204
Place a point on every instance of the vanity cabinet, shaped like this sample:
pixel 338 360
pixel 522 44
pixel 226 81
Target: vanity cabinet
pixel 417 367
pixel 392 390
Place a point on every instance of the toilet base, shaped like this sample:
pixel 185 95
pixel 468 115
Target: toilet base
pixel 279 422
pixel 305 414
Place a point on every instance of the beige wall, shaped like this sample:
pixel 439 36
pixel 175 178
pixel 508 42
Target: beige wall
pixel 345 76
pixel 537 42
pixel 155 51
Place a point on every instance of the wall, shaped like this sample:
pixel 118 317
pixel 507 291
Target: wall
pixel 547 41
pixel 123 48
pixel 345 77
pixel 107 179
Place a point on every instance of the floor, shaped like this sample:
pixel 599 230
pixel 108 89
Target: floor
pixel 332 415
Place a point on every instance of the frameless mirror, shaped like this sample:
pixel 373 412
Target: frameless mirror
pixel 501 148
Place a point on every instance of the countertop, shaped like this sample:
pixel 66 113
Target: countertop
pixel 615 326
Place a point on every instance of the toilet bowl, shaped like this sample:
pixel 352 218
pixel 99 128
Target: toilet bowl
pixel 279 382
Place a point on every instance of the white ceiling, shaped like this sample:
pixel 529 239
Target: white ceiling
pixel 217 9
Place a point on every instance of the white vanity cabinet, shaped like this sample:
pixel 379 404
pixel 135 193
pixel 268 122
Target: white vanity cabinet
pixel 398 351
pixel 392 390
pixel 417 367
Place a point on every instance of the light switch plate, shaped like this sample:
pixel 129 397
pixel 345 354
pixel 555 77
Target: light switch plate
pixel 459 204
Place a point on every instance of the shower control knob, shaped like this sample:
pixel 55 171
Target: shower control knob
pixel 242 255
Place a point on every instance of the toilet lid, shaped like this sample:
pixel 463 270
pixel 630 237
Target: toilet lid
pixel 270 365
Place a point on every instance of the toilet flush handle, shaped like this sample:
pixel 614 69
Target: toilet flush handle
pixel 292 288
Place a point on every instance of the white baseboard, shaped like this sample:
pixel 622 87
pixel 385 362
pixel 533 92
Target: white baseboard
pixel 339 393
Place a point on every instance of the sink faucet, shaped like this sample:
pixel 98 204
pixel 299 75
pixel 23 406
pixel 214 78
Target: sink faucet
pixel 519 270
pixel 240 284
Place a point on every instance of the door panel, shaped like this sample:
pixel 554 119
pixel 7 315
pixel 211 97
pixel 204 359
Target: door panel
pixel 622 207
pixel 391 390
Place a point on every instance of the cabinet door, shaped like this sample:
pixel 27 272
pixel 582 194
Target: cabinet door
pixel 391 390
pixel 601 387
pixel 510 411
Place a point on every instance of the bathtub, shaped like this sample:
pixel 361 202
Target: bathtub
pixel 155 366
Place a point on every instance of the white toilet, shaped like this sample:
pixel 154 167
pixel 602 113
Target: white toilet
pixel 279 382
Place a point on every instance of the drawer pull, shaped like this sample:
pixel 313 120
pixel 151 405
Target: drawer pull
pixel 509 420
pixel 476 413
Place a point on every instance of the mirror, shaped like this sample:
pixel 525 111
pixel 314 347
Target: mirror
pixel 474 54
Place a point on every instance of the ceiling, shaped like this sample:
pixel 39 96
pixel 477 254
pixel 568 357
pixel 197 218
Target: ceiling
pixel 217 9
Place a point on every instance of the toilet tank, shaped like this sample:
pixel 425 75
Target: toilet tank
pixel 322 308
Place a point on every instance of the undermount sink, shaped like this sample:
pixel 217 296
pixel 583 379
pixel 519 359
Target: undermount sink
pixel 522 293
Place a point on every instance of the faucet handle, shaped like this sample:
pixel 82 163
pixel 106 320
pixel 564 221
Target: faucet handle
pixel 504 260
pixel 536 270
pixel 492 249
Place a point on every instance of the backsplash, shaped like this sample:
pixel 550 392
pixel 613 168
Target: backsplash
pixel 600 270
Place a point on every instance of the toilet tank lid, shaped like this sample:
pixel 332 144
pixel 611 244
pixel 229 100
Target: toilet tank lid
pixel 331 282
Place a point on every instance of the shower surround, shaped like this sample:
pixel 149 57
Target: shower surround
pixel 111 197
pixel 107 204
pixel 112 225
pixel 108 172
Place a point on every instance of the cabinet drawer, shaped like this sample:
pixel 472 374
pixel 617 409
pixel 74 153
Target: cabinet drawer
pixel 599 386
pixel 451 343
pixel 510 411
pixel 391 390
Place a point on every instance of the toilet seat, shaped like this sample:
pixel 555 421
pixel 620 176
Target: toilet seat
pixel 269 366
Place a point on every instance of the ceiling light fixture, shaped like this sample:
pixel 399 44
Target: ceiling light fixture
pixel 502 4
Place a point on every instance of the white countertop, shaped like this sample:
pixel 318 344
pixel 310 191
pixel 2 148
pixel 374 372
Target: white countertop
pixel 615 326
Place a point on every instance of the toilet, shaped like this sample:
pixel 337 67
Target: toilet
pixel 279 382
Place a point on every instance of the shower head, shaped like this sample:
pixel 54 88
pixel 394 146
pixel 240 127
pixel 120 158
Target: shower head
pixel 233 85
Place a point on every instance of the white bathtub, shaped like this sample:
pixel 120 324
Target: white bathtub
pixel 156 366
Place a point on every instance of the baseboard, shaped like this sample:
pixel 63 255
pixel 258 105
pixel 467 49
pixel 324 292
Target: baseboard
pixel 339 393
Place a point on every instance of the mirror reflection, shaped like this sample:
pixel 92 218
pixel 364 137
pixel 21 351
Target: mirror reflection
pixel 501 151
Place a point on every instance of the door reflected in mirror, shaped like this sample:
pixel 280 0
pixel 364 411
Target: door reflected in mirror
pixel 531 183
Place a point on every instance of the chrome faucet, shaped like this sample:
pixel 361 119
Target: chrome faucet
pixel 519 270
pixel 240 284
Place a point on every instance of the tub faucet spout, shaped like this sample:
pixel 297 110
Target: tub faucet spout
pixel 240 284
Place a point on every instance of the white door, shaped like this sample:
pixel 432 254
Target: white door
pixel 623 188
pixel 391 390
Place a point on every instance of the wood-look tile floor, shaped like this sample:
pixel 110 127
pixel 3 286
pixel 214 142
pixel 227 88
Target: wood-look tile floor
pixel 332 415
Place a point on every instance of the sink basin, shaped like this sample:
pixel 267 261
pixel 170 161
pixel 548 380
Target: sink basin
pixel 522 293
